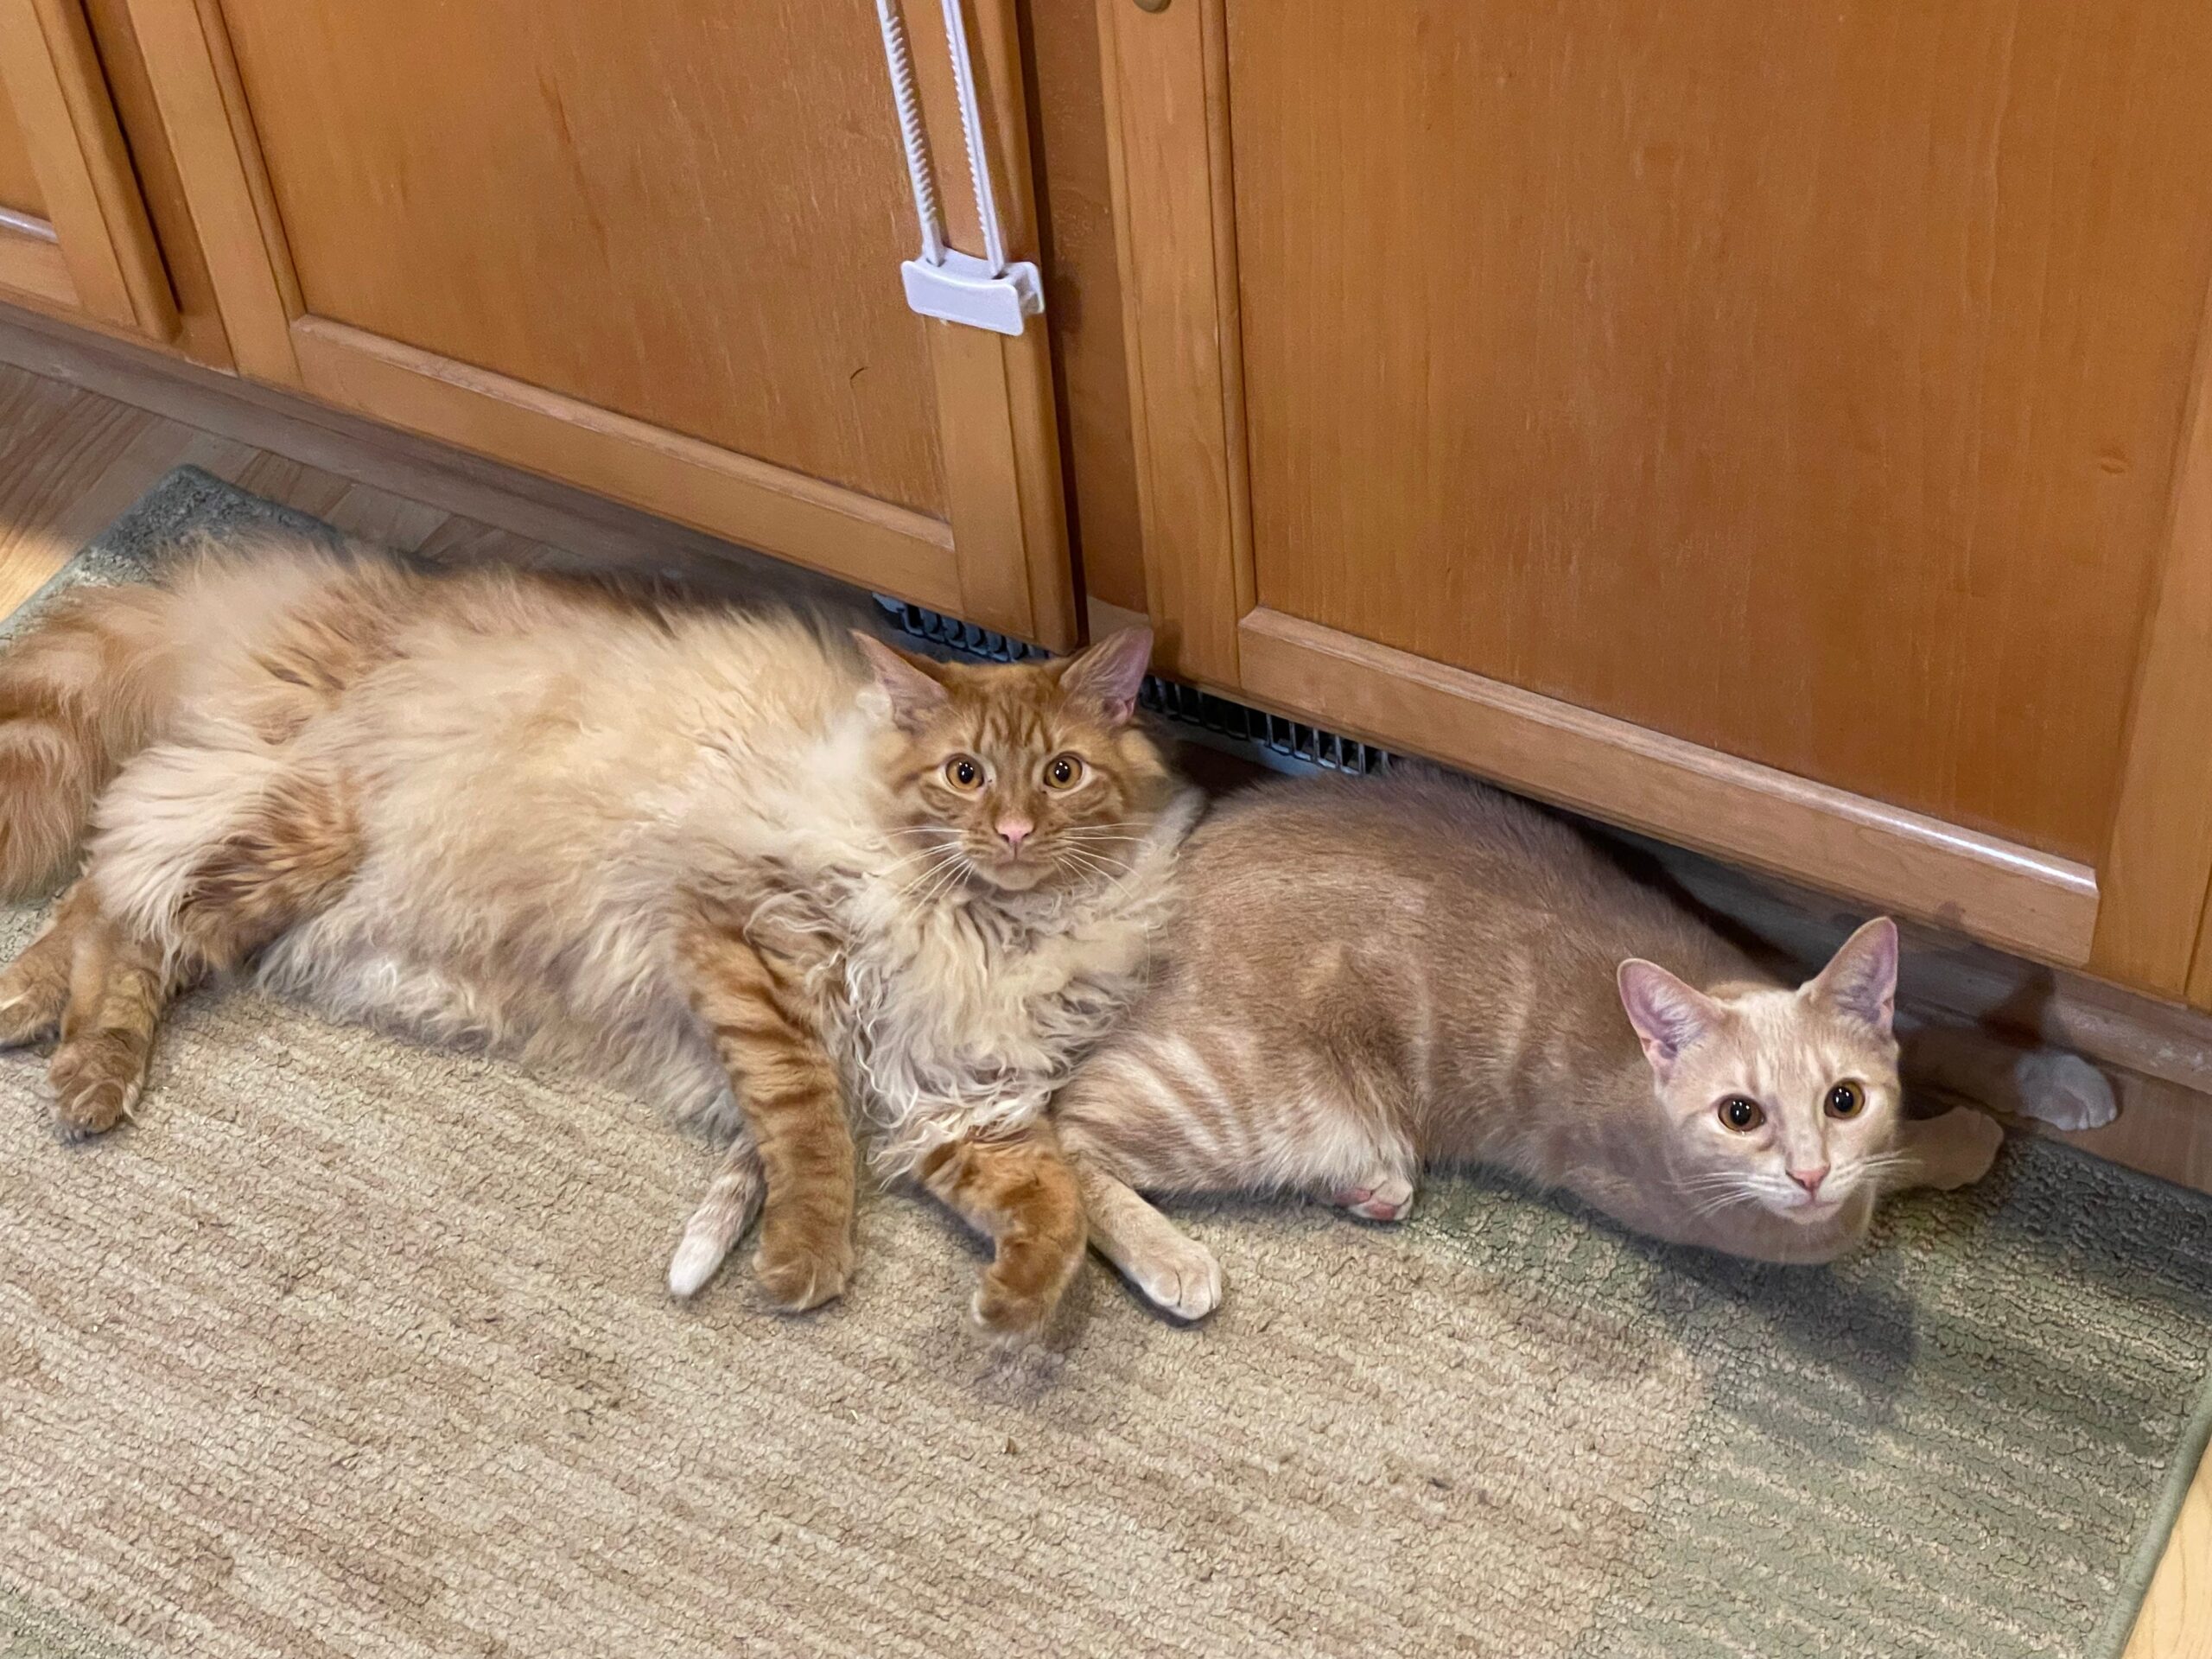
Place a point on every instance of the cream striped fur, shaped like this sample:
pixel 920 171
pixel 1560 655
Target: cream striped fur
pixel 1367 978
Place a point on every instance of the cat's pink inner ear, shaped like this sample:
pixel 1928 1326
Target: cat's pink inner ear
pixel 1111 673
pixel 1668 1015
pixel 915 692
pixel 1861 978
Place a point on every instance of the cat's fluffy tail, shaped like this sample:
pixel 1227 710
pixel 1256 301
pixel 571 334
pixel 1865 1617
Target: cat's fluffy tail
pixel 90 684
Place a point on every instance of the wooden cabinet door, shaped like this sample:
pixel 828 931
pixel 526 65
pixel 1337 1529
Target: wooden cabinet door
pixel 74 233
pixel 1755 423
pixel 650 248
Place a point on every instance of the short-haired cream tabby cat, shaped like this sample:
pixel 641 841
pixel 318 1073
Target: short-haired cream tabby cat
pixel 1364 978
pixel 750 868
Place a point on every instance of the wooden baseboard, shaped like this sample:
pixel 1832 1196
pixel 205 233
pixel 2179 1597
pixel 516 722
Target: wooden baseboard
pixel 1945 975
pixel 2013 896
pixel 838 531
pixel 31 260
pixel 2159 1054
pixel 301 429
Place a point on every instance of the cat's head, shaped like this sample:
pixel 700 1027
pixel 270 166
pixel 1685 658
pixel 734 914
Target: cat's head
pixel 1787 1099
pixel 1021 776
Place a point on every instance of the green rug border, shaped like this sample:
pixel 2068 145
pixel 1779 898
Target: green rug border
pixel 2134 1589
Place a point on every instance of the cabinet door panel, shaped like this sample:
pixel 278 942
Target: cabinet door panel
pixel 1776 401
pixel 653 248
pixel 19 190
pixel 1805 389
pixel 636 219
pixel 73 232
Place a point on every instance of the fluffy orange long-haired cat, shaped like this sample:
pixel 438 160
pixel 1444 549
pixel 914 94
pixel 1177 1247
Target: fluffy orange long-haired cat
pixel 755 869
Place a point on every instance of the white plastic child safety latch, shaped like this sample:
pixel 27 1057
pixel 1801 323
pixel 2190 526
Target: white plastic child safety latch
pixel 990 292
pixel 964 288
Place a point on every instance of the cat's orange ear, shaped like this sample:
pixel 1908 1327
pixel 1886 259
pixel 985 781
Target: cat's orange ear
pixel 1668 1015
pixel 1110 674
pixel 915 691
pixel 1861 979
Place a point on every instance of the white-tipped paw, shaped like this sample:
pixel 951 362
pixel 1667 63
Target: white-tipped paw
pixel 1386 1198
pixel 2064 1091
pixel 698 1254
pixel 1182 1280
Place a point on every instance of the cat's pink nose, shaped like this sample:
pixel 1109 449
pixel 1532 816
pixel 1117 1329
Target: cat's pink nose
pixel 1810 1180
pixel 1014 831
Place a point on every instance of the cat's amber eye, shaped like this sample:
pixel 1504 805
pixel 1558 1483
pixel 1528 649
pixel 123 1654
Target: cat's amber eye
pixel 1063 771
pixel 1847 1100
pixel 964 774
pixel 1740 1115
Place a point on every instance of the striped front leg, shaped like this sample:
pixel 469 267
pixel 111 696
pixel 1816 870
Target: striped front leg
pixel 769 1039
pixel 1018 1191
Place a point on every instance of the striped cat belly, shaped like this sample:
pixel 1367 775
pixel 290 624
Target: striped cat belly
pixel 1217 1112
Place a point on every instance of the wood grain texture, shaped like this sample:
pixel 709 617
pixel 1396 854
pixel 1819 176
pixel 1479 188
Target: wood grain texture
pixel 2176 1622
pixel 997 440
pixel 61 100
pixel 513 512
pixel 18 179
pixel 1162 72
pixel 1083 306
pixel 690 216
pixel 2156 869
pixel 207 132
pixel 1996 891
pixel 1803 383
pixel 723 300
pixel 199 327
pixel 31 264
pixel 69 463
pixel 121 229
pixel 834 530
pixel 2200 972
pixel 43 115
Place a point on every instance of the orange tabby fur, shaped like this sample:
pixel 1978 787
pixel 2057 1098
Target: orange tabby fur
pixel 758 873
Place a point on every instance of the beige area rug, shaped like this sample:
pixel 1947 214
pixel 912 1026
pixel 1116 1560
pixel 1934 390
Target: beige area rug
pixel 352 1347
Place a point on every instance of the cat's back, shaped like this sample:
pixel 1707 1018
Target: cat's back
pixel 483 662
pixel 1418 872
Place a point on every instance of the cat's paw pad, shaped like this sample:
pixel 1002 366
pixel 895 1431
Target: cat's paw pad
pixel 2065 1092
pixel 1009 1315
pixel 1183 1282
pixel 1024 1283
pixel 796 1275
pixel 95 1082
pixel 1386 1199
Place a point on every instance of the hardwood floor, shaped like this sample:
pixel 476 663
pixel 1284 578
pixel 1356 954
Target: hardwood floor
pixel 70 461
pixel 2177 1618
pixel 72 458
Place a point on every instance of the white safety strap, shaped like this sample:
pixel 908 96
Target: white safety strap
pixel 986 293
pixel 903 92
pixel 971 133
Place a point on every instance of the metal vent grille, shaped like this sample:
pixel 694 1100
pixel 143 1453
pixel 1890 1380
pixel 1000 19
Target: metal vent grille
pixel 1270 740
